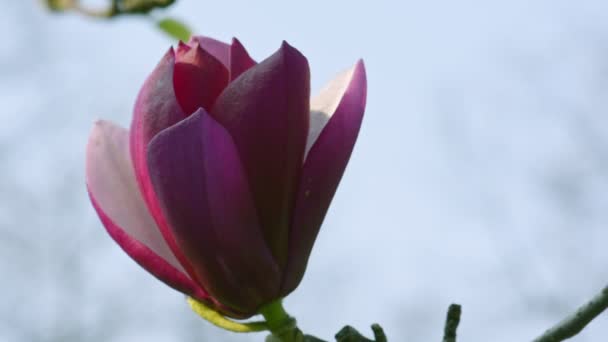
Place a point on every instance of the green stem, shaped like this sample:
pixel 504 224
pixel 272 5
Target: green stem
pixel 282 326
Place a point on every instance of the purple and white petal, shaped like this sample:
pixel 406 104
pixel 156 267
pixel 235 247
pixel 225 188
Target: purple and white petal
pixel 115 195
pixel 156 108
pixel 336 115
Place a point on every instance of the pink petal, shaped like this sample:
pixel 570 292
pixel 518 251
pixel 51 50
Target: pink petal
pixel 336 115
pixel 182 48
pixel 204 194
pixel 116 198
pixel 239 59
pixel 218 49
pixel 266 111
pixel 198 79
pixel 156 108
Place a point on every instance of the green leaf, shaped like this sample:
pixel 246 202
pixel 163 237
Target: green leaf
pixel 174 28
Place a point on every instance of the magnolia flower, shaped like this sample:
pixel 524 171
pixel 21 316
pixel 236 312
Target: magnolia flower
pixel 221 184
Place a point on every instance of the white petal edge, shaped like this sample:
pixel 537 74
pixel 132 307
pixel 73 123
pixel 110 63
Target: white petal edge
pixel 324 105
pixel 111 180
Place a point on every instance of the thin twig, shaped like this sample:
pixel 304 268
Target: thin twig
pixel 95 13
pixel 451 323
pixel 114 9
pixel 350 334
pixel 574 323
pixel 379 335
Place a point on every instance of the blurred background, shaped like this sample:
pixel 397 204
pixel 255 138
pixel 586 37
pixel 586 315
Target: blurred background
pixel 480 175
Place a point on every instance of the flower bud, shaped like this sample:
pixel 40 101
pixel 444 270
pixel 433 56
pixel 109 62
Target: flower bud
pixel 221 184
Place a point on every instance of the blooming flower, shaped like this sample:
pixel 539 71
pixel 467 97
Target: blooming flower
pixel 221 184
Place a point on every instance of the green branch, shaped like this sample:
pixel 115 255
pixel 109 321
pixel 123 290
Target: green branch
pixel 114 9
pixel 451 323
pixel 576 322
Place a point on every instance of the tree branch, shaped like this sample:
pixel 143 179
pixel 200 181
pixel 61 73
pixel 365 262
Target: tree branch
pixel 115 8
pixel 451 323
pixel 573 324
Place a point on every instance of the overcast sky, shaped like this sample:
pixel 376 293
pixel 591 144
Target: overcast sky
pixel 480 175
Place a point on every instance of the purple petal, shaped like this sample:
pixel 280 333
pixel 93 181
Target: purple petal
pixel 204 194
pixel 198 79
pixel 336 115
pixel 156 108
pixel 181 49
pixel 266 111
pixel 218 49
pixel 240 61
pixel 116 198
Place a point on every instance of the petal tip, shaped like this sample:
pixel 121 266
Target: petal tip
pixel 98 123
pixel 358 79
pixel 182 48
pixel 170 53
pixel 291 55
pixel 360 64
pixel 360 76
pixel 286 48
pixel 100 128
pixel 360 70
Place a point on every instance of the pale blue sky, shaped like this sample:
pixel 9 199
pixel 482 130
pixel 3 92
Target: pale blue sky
pixel 479 176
